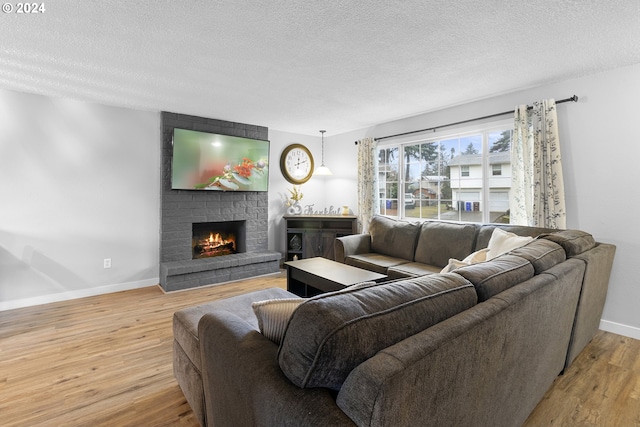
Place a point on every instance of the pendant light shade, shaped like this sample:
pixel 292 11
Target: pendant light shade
pixel 322 170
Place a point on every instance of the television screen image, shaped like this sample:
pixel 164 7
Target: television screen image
pixel 208 161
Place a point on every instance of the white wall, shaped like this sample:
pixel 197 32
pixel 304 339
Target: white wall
pixel 79 183
pixel 600 148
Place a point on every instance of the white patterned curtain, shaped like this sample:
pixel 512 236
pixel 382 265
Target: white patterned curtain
pixel 368 198
pixel 537 185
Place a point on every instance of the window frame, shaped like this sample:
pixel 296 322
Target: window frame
pixel 439 136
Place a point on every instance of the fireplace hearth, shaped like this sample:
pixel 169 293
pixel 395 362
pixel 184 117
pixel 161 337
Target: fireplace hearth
pixel 210 239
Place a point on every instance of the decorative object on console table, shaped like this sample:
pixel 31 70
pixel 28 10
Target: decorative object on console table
pixel 310 236
pixel 294 246
pixel 295 208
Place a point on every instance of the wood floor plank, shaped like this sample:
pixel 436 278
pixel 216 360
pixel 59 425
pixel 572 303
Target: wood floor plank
pixel 600 388
pixel 107 361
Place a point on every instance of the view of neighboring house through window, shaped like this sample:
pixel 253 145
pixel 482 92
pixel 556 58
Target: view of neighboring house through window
pixel 456 176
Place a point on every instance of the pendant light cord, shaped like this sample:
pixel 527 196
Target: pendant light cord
pixel 322 132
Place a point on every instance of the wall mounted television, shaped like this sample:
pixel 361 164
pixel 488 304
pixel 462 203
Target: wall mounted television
pixel 209 161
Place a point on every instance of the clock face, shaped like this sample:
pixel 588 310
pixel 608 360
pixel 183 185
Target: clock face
pixel 296 164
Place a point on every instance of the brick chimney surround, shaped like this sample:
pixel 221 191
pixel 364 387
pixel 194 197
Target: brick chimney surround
pixel 181 208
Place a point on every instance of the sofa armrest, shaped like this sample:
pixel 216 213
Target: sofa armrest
pixel 351 245
pixel 244 386
pixel 599 263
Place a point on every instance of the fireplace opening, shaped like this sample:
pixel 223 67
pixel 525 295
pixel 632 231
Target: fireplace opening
pixel 211 239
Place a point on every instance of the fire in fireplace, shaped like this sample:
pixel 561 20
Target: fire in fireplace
pixel 216 238
pixel 215 245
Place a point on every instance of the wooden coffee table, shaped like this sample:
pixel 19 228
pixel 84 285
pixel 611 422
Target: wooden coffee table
pixel 313 276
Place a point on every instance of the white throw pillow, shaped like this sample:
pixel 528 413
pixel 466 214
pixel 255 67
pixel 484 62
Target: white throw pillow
pixel 477 256
pixel 453 264
pixel 503 241
pixel 474 258
pixel 273 316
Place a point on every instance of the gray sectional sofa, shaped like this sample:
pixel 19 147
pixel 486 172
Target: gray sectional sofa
pixel 477 346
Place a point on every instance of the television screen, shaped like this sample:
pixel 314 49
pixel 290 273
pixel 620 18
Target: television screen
pixel 208 161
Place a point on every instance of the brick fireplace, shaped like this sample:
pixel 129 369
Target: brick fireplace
pixel 182 211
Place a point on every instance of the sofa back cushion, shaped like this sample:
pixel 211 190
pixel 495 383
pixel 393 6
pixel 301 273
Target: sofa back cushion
pixel 330 334
pixel 440 241
pixel 541 253
pixel 393 237
pixel 574 242
pixel 492 277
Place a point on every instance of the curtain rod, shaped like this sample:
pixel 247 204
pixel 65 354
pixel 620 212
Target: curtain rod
pixel 574 98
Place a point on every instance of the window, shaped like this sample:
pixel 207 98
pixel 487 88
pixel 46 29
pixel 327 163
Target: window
pixel 456 175
pixel 388 180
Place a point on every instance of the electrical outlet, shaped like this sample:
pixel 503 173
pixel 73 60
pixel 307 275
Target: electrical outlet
pixel 107 263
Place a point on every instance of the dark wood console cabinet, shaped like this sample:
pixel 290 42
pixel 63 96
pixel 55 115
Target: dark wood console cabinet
pixel 311 236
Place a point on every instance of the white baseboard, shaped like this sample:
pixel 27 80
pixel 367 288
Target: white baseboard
pixel 620 329
pixel 81 293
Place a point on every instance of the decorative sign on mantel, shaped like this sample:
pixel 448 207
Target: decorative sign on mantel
pixel 331 211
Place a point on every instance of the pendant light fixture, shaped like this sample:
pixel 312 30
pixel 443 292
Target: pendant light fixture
pixel 322 170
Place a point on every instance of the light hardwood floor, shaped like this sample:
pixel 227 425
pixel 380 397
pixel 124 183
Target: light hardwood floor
pixel 106 361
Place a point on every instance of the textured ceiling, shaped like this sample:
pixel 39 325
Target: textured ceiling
pixel 300 66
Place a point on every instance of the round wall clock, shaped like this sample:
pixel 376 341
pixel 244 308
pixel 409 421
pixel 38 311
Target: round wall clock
pixel 296 164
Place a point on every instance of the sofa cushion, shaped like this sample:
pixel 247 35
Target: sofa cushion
pixel 542 254
pixel 492 277
pixel 411 269
pixel 439 241
pixel 273 316
pixel 393 237
pixel 378 263
pixel 573 242
pixel 330 334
